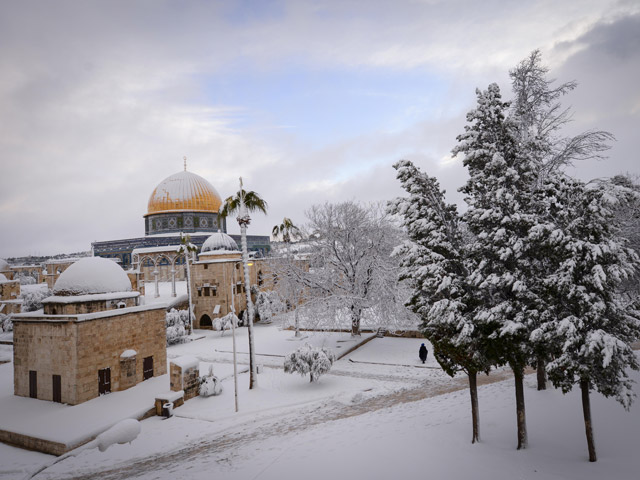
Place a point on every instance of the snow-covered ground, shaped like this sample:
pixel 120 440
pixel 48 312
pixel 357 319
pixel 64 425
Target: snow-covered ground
pixel 378 414
pixel 429 438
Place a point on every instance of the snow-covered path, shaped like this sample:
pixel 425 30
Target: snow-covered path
pixel 224 446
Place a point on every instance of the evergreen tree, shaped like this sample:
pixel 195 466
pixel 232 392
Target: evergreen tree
pixel 436 263
pixel 498 193
pixel 590 326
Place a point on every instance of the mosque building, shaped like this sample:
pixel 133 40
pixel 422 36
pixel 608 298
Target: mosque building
pixel 183 202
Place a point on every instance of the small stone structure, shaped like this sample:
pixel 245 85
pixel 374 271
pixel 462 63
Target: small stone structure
pixel 184 374
pixel 9 293
pixel 91 339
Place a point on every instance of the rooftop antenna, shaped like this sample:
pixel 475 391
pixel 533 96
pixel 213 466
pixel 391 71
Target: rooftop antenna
pixel 185 163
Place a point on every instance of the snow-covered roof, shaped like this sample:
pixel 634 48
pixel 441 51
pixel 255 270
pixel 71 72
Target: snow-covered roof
pixel 38 316
pixel 168 248
pixel 91 297
pixel 177 234
pixel 4 266
pixel 92 275
pixel 219 241
pixel 186 362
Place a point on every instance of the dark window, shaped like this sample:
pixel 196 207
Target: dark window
pixel 33 384
pixel 206 291
pixel 147 368
pixel 104 381
pixel 206 267
pixel 260 280
pixel 57 388
pixel 214 292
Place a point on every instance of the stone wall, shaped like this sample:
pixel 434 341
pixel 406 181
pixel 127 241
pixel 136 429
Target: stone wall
pixel 47 348
pixel 79 308
pixel 101 341
pixel 187 380
pixel 10 290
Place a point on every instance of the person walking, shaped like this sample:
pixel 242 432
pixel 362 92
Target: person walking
pixel 422 353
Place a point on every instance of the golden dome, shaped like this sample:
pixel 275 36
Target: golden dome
pixel 184 191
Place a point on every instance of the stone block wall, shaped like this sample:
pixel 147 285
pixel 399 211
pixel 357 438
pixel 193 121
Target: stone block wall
pixel 127 372
pixel 187 380
pixel 80 308
pixel 100 343
pixel 10 290
pixel 47 348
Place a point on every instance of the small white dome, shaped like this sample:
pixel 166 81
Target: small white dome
pixel 4 266
pixel 2 278
pixel 219 241
pixel 92 275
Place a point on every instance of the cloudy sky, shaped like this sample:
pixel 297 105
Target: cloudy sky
pixel 308 101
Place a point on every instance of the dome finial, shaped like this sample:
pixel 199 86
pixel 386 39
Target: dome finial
pixel 185 163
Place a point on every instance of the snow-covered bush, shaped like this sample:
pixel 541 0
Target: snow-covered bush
pixel 32 299
pixel 6 325
pixel 210 384
pixel 269 304
pixel 224 323
pixel 307 359
pixel 176 321
pixel 26 279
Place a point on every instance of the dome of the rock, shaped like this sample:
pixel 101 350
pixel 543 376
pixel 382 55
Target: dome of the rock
pixel 219 241
pixel 92 275
pixel 184 191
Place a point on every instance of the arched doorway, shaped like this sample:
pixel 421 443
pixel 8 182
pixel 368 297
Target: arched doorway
pixel 205 322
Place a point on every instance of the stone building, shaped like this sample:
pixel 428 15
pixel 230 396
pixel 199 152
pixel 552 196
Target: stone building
pixel 9 295
pixel 92 337
pixel 183 202
pixel 53 268
pixel 217 280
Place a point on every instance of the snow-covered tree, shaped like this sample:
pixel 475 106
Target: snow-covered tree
pixel 187 248
pixel 227 322
pixel 498 193
pixel 351 269
pixel 269 304
pixel 590 326
pixel 435 260
pixel 540 118
pixel 26 278
pixel 6 324
pixel 32 299
pixel 177 322
pixel 312 360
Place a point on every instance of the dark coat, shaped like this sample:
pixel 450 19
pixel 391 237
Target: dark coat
pixel 423 353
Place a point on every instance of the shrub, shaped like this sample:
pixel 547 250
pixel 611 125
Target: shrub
pixel 311 360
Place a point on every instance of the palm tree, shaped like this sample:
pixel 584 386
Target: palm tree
pixel 286 230
pixel 187 248
pixel 242 203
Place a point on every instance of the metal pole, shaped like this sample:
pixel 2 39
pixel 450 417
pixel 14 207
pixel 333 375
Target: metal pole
pixel 233 336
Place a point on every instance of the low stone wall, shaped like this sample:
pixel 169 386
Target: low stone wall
pixel 184 374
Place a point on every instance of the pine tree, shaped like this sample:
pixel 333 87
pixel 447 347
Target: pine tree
pixel 590 327
pixel 498 193
pixel 436 263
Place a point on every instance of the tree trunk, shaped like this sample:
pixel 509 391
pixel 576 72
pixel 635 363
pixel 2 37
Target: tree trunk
pixel 253 377
pixel 542 374
pixel 518 374
pixel 355 321
pixel 297 321
pixel 191 312
pixel 586 410
pixel 475 414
